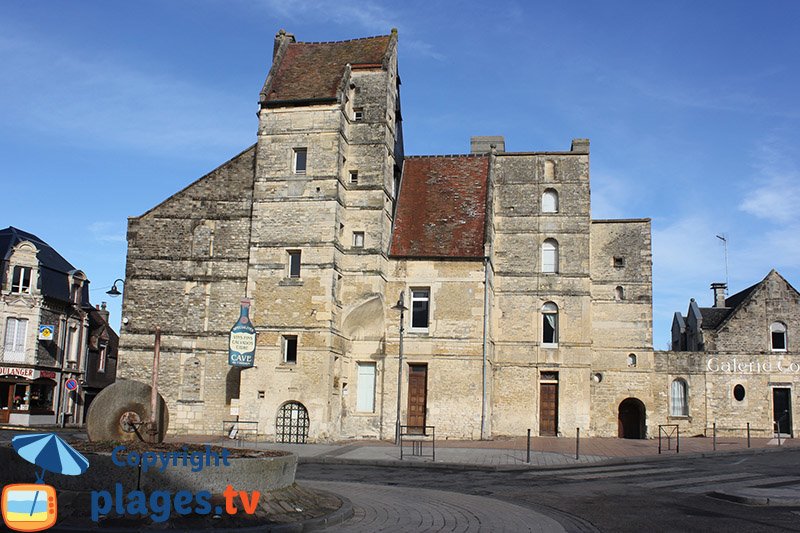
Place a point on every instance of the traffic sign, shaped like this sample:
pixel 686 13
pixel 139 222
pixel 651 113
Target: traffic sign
pixel 71 384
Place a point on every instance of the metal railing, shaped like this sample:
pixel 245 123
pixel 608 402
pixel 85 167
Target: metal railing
pixel 240 430
pixel 418 436
pixel 667 431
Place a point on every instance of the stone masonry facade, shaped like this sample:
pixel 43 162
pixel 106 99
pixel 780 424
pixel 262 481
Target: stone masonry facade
pixel 521 311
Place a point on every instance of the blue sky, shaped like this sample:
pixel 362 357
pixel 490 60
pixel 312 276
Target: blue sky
pixel 691 107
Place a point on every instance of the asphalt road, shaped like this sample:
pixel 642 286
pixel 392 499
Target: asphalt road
pixel 669 495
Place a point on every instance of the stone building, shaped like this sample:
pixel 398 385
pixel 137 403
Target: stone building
pixel 522 311
pixel 735 363
pixel 48 328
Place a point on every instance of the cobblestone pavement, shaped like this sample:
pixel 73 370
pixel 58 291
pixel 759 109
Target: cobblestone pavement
pixel 389 508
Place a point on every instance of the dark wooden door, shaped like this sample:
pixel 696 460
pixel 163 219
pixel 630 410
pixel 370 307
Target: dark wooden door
pixel 417 395
pixel 548 409
pixel 6 401
pixel 782 409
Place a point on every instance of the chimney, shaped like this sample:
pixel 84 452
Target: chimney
pixel 580 146
pixel 719 293
pixel 483 145
pixel 103 312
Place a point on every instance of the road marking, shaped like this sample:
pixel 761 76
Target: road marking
pixel 637 472
pixel 586 470
pixel 696 480
pixel 749 483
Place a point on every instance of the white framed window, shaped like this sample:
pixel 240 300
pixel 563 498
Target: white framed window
pixel 550 256
pixel 631 360
pixel 72 344
pixel 22 279
pixel 420 308
pixel 777 334
pixel 550 201
pixel 358 239
pixel 365 402
pixel 290 349
pixel 358 114
pixel 354 177
pixel 294 263
pixel 679 398
pixel 299 160
pixel 101 360
pixel 550 324
pixel 14 344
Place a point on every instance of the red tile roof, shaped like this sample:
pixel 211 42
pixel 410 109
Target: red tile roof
pixel 442 207
pixel 311 71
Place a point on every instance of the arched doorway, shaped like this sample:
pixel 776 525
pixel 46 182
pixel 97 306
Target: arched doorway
pixel 292 423
pixel 632 417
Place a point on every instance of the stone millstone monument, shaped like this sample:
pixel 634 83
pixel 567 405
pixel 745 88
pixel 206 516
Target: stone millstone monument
pixel 123 411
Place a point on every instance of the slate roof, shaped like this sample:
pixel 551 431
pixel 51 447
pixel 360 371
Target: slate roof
pixel 53 268
pixel 713 316
pixel 313 71
pixel 739 297
pixel 441 208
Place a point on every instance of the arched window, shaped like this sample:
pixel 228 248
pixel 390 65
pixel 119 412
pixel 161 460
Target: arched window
pixel 550 201
pixel 619 293
pixel 777 332
pixel 550 256
pixel 679 396
pixel 631 360
pixel 550 324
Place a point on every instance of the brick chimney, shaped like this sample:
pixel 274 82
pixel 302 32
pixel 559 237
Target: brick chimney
pixel 719 294
pixel 103 311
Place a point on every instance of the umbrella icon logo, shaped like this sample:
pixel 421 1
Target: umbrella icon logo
pixel 34 506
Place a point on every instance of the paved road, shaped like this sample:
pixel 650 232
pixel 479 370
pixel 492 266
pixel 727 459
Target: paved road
pixel 387 508
pixel 668 495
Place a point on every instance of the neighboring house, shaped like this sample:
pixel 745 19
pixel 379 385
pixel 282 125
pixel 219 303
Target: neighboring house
pixel 101 360
pixel 735 363
pixel 45 326
pixel 523 312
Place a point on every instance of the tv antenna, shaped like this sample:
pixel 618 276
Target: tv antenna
pixel 724 239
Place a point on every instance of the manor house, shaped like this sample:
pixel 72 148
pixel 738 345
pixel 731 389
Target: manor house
pixel 518 310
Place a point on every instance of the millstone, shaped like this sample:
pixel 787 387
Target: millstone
pixel 121 410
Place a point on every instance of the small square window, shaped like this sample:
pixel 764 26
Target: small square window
pixel 299 160
pixel 619 262
pixel 358 114
pixel 294 263
pixel 290 349
pixel 261 395
pixel 354 177
pixel 358 239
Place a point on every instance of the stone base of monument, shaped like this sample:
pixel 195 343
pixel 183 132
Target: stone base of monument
pixel 114 497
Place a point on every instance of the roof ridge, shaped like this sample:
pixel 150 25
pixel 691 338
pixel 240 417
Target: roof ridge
pixel 343 41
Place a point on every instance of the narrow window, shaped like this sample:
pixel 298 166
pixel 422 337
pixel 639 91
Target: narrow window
pixel 550 256
pixel 294 263
pixel 778 336
pixel 619 293
pixel 738 392
pixel 550 201
pixel 619 262
pixel 680 398
pixel 300 159
pixel 550 324
pixel 366 388
pixel 101 360
pixel 420 308
pixel 290 349
pixel 631 360
pixel 21 279
pixel 358 114
pixel 354 177
pixel 358 239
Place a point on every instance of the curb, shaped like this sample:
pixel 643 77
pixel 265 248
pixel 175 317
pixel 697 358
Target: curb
pixel 755 500
pixel 610 461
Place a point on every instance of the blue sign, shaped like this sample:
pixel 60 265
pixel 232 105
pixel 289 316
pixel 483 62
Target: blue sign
pixel 71 384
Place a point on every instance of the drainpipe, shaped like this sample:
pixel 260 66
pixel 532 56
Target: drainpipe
pixel 484 428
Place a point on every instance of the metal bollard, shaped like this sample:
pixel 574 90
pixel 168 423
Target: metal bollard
pixel 577 443
pixel 748 434
pixel 528 455
pixel 715 436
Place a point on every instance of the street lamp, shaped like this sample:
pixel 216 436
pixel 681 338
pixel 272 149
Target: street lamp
pixel 114 291
pixel 400 306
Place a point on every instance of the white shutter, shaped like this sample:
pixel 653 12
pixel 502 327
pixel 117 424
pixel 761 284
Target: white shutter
pixel 22 332
pixel 11 331
pixel 366 387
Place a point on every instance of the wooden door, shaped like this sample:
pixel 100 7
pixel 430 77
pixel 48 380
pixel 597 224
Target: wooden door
pixel 6 401
pixel 548 408
pixel 417 396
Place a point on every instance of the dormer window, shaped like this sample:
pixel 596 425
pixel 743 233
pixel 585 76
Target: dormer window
pixel 22 280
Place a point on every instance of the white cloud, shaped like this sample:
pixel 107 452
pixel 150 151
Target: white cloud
pixel 110 232
pixel 775 199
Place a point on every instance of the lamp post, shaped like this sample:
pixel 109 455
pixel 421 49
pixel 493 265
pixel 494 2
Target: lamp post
pixel 400 306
